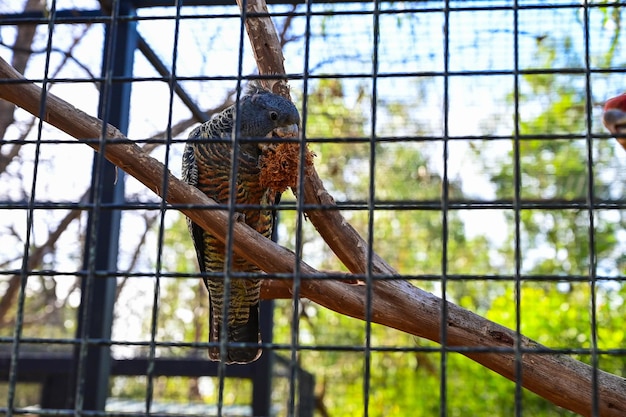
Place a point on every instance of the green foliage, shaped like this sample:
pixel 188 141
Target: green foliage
pixel 411 240
pixel 553 242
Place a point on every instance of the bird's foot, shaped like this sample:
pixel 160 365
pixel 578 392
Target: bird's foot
pixel 268 147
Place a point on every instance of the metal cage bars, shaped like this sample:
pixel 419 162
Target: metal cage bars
pixel 106 204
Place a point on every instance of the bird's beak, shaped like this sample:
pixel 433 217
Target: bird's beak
pixel 291 131
pixel 615 122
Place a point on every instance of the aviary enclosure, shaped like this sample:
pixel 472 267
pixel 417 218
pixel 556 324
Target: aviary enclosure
pixel 450 240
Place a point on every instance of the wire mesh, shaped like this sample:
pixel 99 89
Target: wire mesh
pixel 461 139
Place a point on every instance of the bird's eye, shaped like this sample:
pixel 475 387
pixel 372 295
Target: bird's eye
pixel 273 115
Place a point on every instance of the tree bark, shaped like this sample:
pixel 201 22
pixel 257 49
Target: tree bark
pixel 339 235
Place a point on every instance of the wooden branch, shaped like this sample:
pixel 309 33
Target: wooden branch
pixel 338 234
pixel 396 303
pixel 402 306
pixel 265 46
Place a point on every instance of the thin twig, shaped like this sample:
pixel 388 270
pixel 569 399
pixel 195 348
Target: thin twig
pixel 35 259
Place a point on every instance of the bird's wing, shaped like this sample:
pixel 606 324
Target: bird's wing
pixel 190 176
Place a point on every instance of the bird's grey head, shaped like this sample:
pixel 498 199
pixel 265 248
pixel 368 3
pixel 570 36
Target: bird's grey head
pixel 262 112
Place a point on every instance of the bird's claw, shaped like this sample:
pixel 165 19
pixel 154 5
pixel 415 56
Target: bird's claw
pixel 268 147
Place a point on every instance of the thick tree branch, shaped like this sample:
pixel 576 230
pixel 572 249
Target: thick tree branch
pixel 395 303
pixel 342 238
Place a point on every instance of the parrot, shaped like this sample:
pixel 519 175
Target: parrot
pixel 614 116
pixel 206 164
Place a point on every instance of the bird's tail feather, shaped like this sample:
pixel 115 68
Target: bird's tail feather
pixel 247 333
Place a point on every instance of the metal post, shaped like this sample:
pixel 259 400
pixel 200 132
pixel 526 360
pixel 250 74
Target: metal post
pixel 121 39
pixel 262 373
